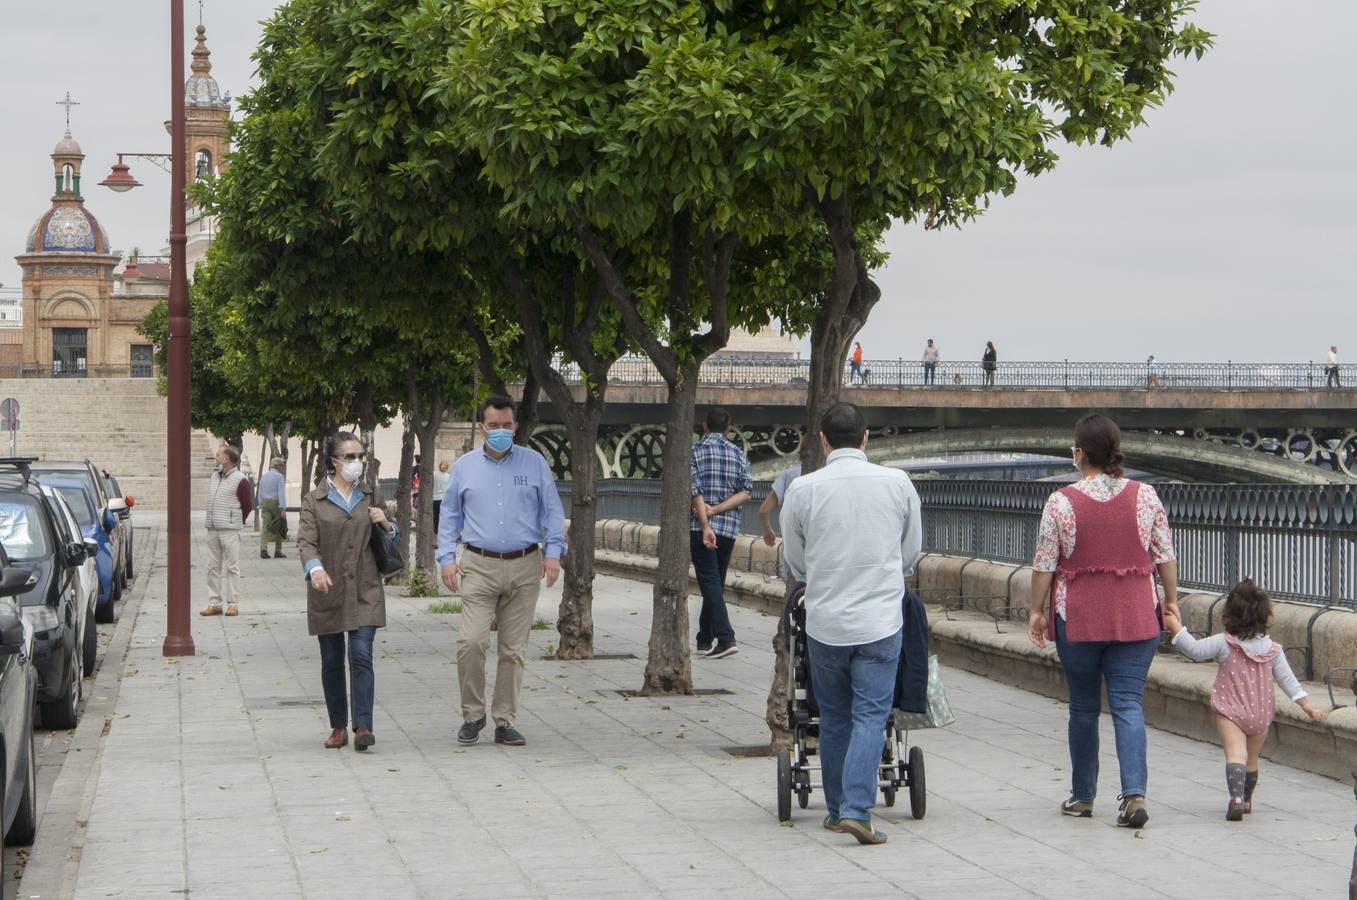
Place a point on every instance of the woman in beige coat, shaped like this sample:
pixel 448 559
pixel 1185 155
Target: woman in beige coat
pixel 344 587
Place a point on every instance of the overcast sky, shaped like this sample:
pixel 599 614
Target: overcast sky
pixel 1224 230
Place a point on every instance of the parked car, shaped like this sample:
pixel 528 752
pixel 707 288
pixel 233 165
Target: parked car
pixel 89 576
pixel 36 536
pixel 82 507
pixel 85 472
pixel 18 780
pixel 125 518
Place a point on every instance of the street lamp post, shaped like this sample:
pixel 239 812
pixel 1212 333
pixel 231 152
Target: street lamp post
pixel 178 639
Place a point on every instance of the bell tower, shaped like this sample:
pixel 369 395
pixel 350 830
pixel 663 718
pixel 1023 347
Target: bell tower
pixel 207 114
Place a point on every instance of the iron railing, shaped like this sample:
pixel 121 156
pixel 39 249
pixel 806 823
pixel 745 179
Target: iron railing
pixel 736 371
pixel 120 370
pixel 1297 541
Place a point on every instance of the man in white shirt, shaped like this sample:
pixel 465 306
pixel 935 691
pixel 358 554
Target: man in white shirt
pixel 930 361
pixel 1332 371
pixel 852 532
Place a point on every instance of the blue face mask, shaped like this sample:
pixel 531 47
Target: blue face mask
pixel 499 439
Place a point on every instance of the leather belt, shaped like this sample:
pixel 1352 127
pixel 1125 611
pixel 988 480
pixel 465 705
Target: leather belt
pixel 512 554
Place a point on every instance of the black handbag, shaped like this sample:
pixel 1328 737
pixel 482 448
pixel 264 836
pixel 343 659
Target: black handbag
pixel 389 561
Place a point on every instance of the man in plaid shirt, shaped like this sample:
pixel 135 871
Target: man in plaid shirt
pixel 722 483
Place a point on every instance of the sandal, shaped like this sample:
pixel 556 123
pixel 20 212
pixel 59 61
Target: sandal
pixel 830 824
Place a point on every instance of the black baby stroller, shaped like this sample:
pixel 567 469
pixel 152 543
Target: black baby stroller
pixel 901 765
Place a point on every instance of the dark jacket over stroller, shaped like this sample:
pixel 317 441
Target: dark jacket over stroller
pixel 911 680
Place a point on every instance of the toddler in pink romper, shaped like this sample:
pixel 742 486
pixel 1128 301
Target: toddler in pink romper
pixel 1243 700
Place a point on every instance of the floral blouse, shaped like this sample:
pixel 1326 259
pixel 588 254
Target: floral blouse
pixel 1055 540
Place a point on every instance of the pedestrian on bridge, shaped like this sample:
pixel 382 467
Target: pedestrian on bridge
pixel 344 596
pixel 273 509
pixel 229 504
pixel 855 364
pixel 930 361
pixel 1332 379
pixel 989 363
pixel 502 503
pixel 1104 608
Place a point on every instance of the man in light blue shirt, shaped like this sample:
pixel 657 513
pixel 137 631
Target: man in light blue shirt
pixel 501 503
pixel 851 531
pixel 273 509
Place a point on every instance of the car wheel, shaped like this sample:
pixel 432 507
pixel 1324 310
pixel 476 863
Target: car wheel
pixel 64 712
pixel 116 592
pixel 122 579
pixel 104 612
pixel 25 825
pixel 89 646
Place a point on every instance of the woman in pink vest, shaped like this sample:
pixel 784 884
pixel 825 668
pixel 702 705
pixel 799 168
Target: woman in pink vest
pixel 1100 543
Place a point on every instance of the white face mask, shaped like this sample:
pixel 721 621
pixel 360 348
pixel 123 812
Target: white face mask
pixel 351 470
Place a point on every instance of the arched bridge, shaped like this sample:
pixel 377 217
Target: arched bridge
pixel 1216 422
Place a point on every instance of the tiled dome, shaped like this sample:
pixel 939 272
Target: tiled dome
pixel 67 228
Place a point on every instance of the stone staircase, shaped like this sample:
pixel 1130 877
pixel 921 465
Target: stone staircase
pixel 118 423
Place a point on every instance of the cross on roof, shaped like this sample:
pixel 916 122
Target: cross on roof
pixel 68 103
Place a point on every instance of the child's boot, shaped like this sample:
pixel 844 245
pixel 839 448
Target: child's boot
pixel 1250 782
pixel 1234 780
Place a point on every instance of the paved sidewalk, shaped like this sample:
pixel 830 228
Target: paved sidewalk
pixel 213 783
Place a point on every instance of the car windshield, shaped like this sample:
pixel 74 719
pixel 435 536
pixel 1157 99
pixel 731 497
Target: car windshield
pixel 75 498
pixel 81 475
pixel 21 528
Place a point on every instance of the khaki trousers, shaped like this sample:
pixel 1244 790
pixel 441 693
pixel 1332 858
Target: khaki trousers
pixel 503 593
pixel 269 514
pixel 223 555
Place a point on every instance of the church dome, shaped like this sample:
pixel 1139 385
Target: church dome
pixel 67 228
pixel 201 89
pixel 67 147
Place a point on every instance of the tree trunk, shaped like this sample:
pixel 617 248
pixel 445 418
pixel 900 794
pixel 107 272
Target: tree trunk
pixel 575 618
pixel 426 530
pixel 669 664
pixel 405 489
pixel 264 460
pixel 527 409
pixel 308 463
pixel 850 298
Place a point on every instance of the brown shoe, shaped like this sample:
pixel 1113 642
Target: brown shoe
pixel 363 738
pixel 210 611
pixel 232 611
pixel 338 738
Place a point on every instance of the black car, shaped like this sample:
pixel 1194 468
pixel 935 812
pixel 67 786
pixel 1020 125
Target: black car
pixel 37 535
pixel 18 781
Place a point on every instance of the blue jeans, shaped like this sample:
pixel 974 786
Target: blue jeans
pixel 1087 664
pixel 710 566
pixel 854 686
pixel 360 674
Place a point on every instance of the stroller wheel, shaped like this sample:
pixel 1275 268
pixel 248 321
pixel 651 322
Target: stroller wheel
pixel 888 791
pixel 803 795
pixel 918 792
pixel 784 786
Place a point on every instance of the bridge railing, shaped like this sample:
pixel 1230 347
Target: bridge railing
pixel 1298 542
pixel 735 371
